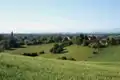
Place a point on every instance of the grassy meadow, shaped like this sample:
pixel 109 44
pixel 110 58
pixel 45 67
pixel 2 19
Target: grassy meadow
pixel 15 67
pixel 111 53
pixel 79 53
pixel 75 51
pixel 102 66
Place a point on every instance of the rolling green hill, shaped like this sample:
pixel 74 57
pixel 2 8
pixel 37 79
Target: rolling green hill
pixel 77 52
pixel 14 67
pixel 80 53
pixel 111 53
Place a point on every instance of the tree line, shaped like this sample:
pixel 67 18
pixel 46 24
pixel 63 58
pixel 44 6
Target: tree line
pixel 15 41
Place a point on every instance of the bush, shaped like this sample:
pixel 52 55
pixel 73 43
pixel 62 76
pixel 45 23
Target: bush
pixel 52 50
pixel 66 43
pixel 65 58
pixel 42 52
pixel 56 46
pixel 62 58
pixel 85 43
pixel 30 54
pixel 72 59
pixel 34 54
pixel 57 49
pixel 94 45
pixel 4 44
pixel 95 51
pixel 1 49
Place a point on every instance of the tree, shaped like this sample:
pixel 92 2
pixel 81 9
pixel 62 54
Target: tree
pixel 77 40
pixel 1 37
pixel 13 43
pixel 94 45
pixel 85 42
pixel 85 37
pixel 4 44
pixel 57 38
pixel 57 48
pixel 112 41
pixel 82 36
pixel 66 43
pixel 43 39
pixel 28 42
pixel 50 40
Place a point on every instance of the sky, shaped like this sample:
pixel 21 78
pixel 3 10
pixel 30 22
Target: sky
pixel 41 16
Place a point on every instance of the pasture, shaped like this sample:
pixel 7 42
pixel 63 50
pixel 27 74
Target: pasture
pixel 15 67
pixel 75 51
pixel 111 53
pixel 80 53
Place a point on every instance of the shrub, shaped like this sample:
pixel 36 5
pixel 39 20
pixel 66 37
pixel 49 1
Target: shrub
pixel 66 43
pixel 65 58
pixel 94 45
pixel 1 49
pixel 95 51
pixel 57 49
pixel 42 52
pixel 72 59
pixel 30 54
pixel 62 58
pixel 85 43
pixel 56 46
pixel 52 50
pixel 34 54
pixel 25 54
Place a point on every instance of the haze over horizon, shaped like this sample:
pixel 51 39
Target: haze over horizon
pixel 39 16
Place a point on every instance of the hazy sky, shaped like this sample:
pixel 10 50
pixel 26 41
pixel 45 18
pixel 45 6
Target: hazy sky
pixel 59 15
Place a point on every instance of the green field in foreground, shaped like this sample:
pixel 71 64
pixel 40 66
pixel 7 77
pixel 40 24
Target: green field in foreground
pixel 15 67
pixel 77 52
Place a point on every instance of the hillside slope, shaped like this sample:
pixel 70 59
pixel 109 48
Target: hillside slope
pixel 75 51
pixel 111 53
pixel 15 67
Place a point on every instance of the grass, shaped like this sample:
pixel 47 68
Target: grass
pixel 102 66
pixel 15 67
pixel 34 48
pixel 80 53
pixel 111 53
pixel 77 52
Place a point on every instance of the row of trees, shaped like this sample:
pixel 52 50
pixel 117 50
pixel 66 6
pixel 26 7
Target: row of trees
pixel 12 41
pixel 8 42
